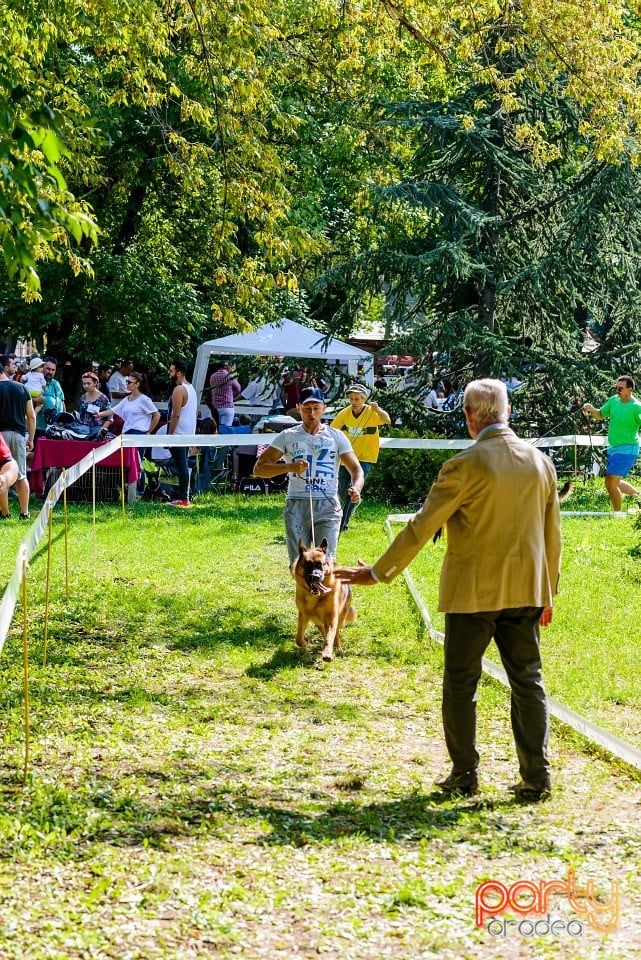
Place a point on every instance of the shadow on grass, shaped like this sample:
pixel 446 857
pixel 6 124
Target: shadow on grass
pixel 211 628
pixel 231 631
pixel 106 815
pixel 406 820
pixel 281 659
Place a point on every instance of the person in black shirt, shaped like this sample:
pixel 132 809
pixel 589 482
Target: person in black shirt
pixel 17 426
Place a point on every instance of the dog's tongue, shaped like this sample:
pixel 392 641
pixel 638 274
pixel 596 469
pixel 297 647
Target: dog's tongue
pixel 321 588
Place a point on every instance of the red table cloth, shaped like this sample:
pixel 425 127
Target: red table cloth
pixel 64 453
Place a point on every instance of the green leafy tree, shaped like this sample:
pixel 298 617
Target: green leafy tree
pixel 232 150
pixel 508 225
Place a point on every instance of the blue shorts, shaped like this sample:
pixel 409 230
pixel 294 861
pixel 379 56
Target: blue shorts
pixel 620 464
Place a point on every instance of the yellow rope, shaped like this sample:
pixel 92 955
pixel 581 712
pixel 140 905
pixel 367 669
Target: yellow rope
pixel 25 662
pixel 66 526
pixel 48 582
pixel 122 478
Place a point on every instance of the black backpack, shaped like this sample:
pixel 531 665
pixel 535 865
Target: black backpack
pixel 67 426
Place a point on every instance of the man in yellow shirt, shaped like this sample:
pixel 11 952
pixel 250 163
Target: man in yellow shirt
pixel 359 422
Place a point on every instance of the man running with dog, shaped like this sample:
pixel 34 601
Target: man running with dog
pixel 312 454
pixel 499 500
pixel 624 413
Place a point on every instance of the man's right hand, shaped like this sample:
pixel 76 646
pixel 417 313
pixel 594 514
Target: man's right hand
pixel 360 576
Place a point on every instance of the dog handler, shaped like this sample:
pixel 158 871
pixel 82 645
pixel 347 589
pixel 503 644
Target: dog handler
pixel 624 413
pixel 312 454
pixel 498 498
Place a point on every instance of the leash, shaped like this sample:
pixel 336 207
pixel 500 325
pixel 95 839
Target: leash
pixel 592 458
pixel 311 508
pixel 311 505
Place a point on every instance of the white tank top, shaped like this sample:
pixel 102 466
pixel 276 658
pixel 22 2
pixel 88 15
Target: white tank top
pixel 186 425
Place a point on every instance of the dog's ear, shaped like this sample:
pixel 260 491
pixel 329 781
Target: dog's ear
pixel 324 545
pixel 301 547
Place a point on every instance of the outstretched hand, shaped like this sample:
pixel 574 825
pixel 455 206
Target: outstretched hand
pixel 360 576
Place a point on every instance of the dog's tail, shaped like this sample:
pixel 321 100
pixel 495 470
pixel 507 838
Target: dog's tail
pixel 351 616
pixel 566 491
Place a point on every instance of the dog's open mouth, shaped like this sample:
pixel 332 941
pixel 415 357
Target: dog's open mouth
pixel 315 581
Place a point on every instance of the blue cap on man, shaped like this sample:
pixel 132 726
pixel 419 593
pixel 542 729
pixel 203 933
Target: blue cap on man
pixel 311 395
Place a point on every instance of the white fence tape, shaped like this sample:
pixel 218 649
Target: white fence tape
pixel 29 545
pixel 460 443
pixel 387 443
pixel 614 745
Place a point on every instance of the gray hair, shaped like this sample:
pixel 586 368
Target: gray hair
pixel 488 400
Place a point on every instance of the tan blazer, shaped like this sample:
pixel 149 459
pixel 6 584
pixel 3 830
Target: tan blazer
pixel 499 501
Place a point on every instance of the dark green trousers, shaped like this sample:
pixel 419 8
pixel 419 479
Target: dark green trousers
pixel 516 633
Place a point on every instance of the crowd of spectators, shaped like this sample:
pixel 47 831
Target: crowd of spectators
pixel 105 400
pixel 111 398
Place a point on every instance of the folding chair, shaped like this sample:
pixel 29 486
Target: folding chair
pixel 213 470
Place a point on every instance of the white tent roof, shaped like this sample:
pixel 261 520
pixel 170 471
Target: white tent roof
pixel 283 339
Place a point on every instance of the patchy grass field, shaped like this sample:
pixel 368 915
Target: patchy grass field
pixel 198 790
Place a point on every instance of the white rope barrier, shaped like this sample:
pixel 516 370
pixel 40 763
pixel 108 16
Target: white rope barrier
pixel 461 443
pixel 386 443
pixel 607 741
pixel 29 544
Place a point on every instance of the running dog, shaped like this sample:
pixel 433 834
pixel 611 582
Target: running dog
pixel 321 597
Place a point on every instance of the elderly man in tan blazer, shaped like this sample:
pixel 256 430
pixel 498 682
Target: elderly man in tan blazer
pixel 499 501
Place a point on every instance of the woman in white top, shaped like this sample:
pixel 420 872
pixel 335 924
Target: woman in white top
pixel 436 396
pixel 137 411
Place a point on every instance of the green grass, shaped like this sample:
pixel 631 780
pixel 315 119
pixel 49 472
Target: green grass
pixel 199 789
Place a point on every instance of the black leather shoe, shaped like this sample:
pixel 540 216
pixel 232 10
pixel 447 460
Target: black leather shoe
pixel 530 792
pixel 466 784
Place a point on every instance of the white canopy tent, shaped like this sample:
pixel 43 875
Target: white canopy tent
pixel 284 339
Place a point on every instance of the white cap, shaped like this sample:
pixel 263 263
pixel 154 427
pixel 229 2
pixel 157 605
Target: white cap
pixel 357 388
pixel 36 363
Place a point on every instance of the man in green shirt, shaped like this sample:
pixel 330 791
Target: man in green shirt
pixel 624 412
pixel 54 397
